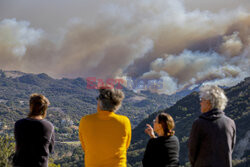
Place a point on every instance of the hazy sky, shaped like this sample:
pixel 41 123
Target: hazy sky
pixel 52 15
pixel 182 42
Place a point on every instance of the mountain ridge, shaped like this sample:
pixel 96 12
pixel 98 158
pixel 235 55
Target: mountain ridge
pixel 71 100
pixel 71 96
pixel 186 110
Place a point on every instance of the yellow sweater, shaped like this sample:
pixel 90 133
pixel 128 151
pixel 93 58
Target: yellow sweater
pixel 105 138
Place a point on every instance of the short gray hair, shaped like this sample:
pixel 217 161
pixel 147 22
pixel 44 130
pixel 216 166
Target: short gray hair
pixel 111 99
pixel 215 95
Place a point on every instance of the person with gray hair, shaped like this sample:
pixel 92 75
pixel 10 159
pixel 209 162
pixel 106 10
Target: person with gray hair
pixel 105 136
pixel 213 134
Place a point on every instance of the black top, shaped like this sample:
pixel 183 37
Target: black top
pixel 212 140
pixel 162 152
pixel 34 142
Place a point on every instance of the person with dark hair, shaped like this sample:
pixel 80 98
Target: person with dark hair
pixel 34 135
pixel 105 136
pixel 162 151
pixel 213 135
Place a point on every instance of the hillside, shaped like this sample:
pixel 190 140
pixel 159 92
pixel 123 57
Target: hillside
pixel 70 100
pixel 187 110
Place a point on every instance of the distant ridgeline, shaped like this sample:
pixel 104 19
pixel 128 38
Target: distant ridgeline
pixel 187 110
pixel 70 100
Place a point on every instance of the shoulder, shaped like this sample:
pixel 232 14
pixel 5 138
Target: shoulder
pixel 125 118
pixel 21 121
pixel 197 122
pixel 228 121
pixel 87 118
pixel 174 138
pixel 122 118
pixel 200 121
pixel 169 139
pixel 174 141
pixel 153 141
pixel 47 123
pixel 163 142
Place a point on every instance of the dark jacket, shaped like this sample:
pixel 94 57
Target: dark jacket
pixel 162 152
pixel 34 141
pixel 212 140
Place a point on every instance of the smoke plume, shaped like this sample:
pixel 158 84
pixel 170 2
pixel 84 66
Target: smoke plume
pixel 164 39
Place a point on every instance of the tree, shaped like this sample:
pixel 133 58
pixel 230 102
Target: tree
pixel 51 163
pixel 7 150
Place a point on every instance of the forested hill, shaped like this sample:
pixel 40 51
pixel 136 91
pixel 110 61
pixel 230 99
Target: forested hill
pixel 70 100
pixel 187 110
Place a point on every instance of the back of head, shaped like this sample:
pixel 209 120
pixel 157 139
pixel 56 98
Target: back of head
pixel 167 123
pixel 38 105
pixel 111 99
pixel 215 95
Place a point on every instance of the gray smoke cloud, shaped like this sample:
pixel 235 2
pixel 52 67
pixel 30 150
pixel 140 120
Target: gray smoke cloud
pixel 216 6
pixel 169 40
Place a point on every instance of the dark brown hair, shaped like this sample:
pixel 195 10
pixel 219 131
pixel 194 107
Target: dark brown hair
pixel 167 124
pixel 38 105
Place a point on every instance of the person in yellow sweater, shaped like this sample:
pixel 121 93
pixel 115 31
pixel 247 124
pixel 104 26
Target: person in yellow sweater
pixel 105 136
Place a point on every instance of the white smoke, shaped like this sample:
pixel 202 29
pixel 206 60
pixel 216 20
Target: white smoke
pixel 232 45
pixel 140 39
pixel 192 68
pixel 16 36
